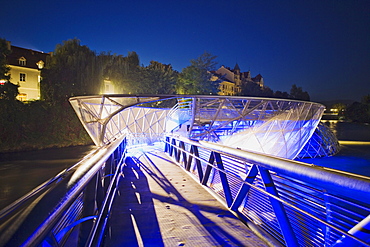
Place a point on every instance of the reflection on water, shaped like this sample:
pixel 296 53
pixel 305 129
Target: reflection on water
pixel 351 158
pixel 346 131
pixel 23 171
pixel 332 124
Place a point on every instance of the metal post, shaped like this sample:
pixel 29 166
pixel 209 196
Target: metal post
pixel 167 145
pixel 279 210
pixel 190 160
pixel 223 177
pixel 174 147
pixel 209 167
pixel 198 164
pixel 361 231
pixel 88 210
pixel 182 147
pixel 244 188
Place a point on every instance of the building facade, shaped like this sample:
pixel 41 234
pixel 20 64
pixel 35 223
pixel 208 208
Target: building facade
pixel 25 71
pixel 231 80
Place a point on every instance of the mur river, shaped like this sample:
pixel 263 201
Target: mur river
pixel 21 172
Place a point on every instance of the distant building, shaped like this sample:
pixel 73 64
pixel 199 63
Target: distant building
pixel 231 80
pixel 25 71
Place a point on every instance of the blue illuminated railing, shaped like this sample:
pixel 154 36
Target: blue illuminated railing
pixel 294 203
pixel 70 209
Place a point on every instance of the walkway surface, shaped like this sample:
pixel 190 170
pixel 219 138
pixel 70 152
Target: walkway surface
pixel 159 204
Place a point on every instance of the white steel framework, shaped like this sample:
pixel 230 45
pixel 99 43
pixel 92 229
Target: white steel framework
pixel 271 126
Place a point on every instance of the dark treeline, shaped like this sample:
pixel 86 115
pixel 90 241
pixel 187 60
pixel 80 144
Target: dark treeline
pixel 254 90
pixel 71 70
pixel 358 111
pixel 38 125
pixel 75 70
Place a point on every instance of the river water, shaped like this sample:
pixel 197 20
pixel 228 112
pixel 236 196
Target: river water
pixel 354 157
pixel 21 172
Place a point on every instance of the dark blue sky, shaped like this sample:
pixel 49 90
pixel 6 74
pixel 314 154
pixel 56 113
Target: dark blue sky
pixel 321 45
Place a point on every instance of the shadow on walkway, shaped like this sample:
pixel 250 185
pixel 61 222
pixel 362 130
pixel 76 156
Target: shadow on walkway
pixel 158 204
pixel 133 217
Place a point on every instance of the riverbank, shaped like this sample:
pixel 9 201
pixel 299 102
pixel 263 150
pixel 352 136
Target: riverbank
pixel 354 153
pixel 27 147
pixel 39 125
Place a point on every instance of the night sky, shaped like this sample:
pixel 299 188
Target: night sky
pixel 321 45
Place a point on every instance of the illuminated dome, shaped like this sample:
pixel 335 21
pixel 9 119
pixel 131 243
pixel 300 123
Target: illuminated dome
pixel 323 143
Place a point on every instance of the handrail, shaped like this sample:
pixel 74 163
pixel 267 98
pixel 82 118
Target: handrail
pixel 98 230
pixel 16 205
pixel 309 205
pixel 353 185
pixel 51 212
pixel 44 212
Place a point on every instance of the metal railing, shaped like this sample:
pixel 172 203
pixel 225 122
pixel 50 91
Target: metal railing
pixel 70 209
pixel 295 203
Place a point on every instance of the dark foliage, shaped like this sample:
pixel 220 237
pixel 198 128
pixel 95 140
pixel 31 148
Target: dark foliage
pixel 38 125
pixel 8 91
pixel 359 111
pixel 196 79
pixel 4 68
pixel 298 94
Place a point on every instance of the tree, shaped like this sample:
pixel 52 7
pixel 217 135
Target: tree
pixel 254 90
pixel 4 68
pixel 157 78
pixel 358 112
pixel 250 89
pixel 8 90
pixel 281 95
pixel 366 99
pixel 298 94
pixel 72 70
pixel 121 71
pixel 267 92
pixel 196 78
pixel 340 108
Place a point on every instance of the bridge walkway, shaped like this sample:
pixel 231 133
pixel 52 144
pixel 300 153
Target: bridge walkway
pixel 159 204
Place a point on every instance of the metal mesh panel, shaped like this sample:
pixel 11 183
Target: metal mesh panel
pixel 70 216
pixel 317 213
pixel 323 143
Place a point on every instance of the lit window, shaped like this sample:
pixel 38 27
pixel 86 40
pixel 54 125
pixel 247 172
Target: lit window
pixel 22 97
pixel 22 77
pixel 22 61
pixel 40 64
